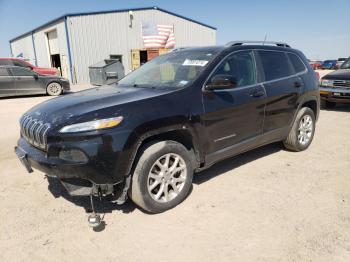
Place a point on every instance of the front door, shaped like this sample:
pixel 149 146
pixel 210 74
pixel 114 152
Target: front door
pixel 234 116
pixel 7 83
pixel 26 82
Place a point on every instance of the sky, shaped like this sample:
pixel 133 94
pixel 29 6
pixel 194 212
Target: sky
pixel 319 28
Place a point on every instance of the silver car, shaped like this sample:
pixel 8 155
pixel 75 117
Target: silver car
pixel 21 81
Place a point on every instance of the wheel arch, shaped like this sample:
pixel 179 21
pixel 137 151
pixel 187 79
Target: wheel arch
pixel 182 135
pixel 313 104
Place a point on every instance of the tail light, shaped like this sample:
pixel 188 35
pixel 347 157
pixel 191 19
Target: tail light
pixel 317 75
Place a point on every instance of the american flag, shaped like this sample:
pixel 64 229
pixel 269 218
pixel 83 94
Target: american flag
pixel 157 35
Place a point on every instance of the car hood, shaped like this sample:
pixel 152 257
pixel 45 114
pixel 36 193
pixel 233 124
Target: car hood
pixel 341 74
pixel 94 103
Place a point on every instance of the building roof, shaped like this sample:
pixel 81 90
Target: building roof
pixel 107 12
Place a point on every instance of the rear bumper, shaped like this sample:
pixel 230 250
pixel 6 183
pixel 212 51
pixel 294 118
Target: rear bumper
pixel 66 87
pixel 340 95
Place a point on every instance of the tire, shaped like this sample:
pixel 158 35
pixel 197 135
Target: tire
pixel 151 176
pixel 302 132
pixel 54 89
pixel 327 104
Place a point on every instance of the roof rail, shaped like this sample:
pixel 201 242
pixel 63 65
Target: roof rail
pixel 281 44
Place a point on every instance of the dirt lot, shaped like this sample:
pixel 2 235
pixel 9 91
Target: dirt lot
pixel 265 205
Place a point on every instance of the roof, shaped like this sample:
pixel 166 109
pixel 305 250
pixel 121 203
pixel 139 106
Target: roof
pixel 107 12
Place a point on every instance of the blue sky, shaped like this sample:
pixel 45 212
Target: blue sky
pixel 321 29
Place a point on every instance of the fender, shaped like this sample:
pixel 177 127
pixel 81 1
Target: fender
pixel 137 138
pixel 305 99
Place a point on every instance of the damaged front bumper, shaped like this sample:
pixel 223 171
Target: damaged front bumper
pixel 79 179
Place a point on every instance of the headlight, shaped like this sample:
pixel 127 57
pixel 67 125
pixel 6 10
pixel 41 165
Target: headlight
pixel 326 82
pixel 92 125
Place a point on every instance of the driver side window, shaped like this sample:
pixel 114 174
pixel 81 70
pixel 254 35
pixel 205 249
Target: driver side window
pixel 239 66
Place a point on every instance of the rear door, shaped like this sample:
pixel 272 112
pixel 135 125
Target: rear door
pixel 7 83
pixel 233 116
pixel 283 88
pixel 26 81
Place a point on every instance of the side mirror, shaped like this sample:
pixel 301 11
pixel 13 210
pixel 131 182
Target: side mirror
pixel 35 76
pixel 222 81
pixel 112 75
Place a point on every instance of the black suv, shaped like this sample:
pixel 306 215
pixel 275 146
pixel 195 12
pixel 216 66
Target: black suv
pixel 335 86
pixel 178 114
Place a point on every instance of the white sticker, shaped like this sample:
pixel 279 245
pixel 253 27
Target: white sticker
pixel 189 62
pixel 183 82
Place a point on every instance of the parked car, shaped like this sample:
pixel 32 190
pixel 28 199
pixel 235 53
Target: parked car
pixel 340 61
pixel 178 114
pixel 316 64
pixel 19 81
pixel 335 86
pixel 329 64
pixel 22 63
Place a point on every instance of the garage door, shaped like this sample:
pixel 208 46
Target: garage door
pixel 53 42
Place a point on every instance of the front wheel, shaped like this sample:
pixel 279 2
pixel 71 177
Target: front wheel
pixel 302 132
pixel 54 89
pixel 163 176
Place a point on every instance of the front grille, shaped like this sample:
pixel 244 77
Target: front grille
pixel 34 131
pixel 341 83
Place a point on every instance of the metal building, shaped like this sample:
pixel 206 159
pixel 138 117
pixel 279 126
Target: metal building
pixel 73 42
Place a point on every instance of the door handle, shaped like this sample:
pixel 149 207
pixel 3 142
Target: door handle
pixel 297 84
pixel 257 93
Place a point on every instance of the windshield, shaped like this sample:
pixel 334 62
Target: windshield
pixel 346 64
pixel 175 69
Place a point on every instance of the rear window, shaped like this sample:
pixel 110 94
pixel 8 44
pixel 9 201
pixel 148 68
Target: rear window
pixel 275 64
pixel 6 62
pixel 20 63
pixel 21 71
pixel 297 63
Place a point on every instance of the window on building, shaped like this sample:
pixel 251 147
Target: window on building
pixel 118 57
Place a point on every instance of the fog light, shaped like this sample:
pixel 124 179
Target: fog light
pixel 73 155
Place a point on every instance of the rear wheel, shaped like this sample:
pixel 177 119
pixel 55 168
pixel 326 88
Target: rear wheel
pixel 54 89
pixel 163 176
pixel 302 132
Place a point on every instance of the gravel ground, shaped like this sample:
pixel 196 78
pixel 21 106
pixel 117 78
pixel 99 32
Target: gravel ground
pixel 265 205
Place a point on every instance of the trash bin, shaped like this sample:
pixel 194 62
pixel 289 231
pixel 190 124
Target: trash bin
pixel 106 72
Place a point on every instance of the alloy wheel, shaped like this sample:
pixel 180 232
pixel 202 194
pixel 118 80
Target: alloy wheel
pixel 305 130
pixel 167 178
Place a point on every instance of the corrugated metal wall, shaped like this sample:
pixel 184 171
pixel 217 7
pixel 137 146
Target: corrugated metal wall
pixel 24 45
pixel 95 37
pixel 41 43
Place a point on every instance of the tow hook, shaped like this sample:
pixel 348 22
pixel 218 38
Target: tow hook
pixel 94 219
pixel 124 194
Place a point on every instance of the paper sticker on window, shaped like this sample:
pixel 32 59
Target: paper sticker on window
pixel 189 62
pixel 183 82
